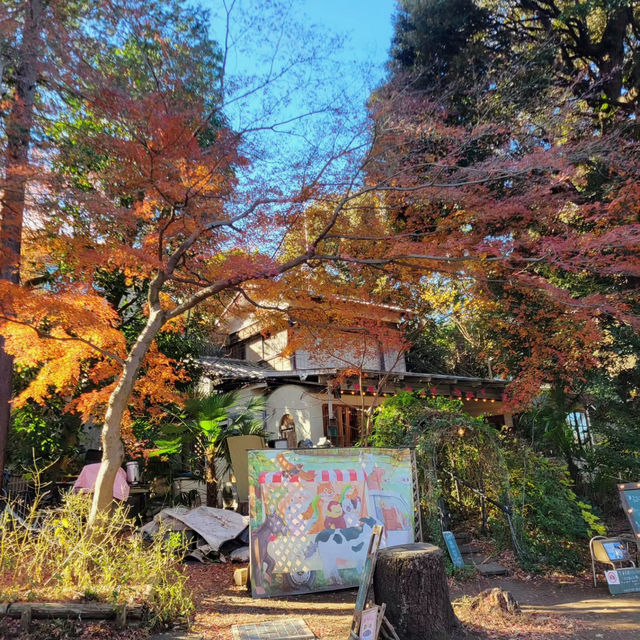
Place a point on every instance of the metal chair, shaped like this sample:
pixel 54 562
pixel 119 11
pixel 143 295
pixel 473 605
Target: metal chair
pixel 613 552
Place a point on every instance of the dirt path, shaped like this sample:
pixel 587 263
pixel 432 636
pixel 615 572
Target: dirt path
pixel 574 610
pixel 605 617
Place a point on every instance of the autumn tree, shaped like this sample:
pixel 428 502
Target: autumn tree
pixel 590 48
pixel 54 56
pixel 368 211
pixel 156 190
pixel 523 74
pixel 19 69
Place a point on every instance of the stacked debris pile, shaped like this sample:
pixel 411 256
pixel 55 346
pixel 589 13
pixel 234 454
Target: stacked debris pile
pixel 214 534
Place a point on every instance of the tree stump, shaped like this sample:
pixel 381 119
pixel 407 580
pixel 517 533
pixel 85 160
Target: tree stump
pixel 412 582
pixel 496 599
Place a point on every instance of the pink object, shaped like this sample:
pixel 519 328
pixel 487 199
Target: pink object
pixel 87 481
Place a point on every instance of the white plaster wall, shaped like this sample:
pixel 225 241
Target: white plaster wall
pixel 394 361
pixel 270 350
pixel 305 408
pixel 347 358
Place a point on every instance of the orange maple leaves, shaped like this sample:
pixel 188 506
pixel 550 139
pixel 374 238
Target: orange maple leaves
pixel 73 339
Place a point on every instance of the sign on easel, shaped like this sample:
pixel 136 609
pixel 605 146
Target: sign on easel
pixel 454 551
pixel 630 498
pixel 370 622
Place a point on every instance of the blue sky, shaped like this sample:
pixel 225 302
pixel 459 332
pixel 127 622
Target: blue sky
pixel 299 75
pixel 368 23
pixel 364 28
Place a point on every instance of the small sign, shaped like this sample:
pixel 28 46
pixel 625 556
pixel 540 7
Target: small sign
pixel 452 546
pixel 616 550
pixel 612 577
pixel 623 581
pixel 369 623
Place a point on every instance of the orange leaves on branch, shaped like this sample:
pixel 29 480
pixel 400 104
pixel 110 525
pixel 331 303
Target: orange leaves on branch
pixel 59 332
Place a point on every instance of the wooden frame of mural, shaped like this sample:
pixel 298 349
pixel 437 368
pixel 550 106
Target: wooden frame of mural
pixel 312 512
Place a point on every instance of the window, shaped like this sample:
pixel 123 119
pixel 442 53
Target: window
pixel 579 422
pixel 238 351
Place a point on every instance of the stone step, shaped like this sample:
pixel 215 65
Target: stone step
pixel 469 548
pixel 462 538
pixel 491 569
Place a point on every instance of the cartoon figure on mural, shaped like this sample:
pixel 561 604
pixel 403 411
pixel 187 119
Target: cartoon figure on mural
pixel 273 525
pixel 326 494
pixel 337 548
pixel 334 518
pixel 290 470
pixel 312 513
pixel 351 506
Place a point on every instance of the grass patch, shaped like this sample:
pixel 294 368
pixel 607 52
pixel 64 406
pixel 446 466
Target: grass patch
pixel 54 555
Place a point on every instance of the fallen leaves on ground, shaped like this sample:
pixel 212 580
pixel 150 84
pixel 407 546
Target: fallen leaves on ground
pixel 220 604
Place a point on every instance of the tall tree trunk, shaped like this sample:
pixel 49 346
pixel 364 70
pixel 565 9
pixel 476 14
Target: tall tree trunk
pixel 18 127
pixel 211 478
pixel 112 448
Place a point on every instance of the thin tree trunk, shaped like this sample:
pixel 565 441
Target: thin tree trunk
pixel 112 448
pixel 18 127
pixel 211 479
pixel 6 373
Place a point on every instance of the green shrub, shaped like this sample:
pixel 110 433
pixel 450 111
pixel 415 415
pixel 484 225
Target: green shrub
pixel 554 525
pixel 551 526
pixel 445 440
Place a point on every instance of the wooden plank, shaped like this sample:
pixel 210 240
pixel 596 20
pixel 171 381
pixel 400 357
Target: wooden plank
pixel 88 611
pixel 388 630
pixel 365 583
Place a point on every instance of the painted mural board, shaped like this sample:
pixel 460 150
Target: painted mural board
pixel 312 512
pixel 630 498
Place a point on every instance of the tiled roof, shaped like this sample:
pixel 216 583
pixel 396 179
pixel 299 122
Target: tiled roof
pixel 233 369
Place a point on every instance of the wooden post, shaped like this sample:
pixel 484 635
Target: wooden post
pixel 121 617
pixel 25 619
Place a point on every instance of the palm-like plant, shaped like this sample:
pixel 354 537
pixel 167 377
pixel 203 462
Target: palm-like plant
pixel 209 421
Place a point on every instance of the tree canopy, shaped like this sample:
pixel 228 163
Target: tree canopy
pixel 522 207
